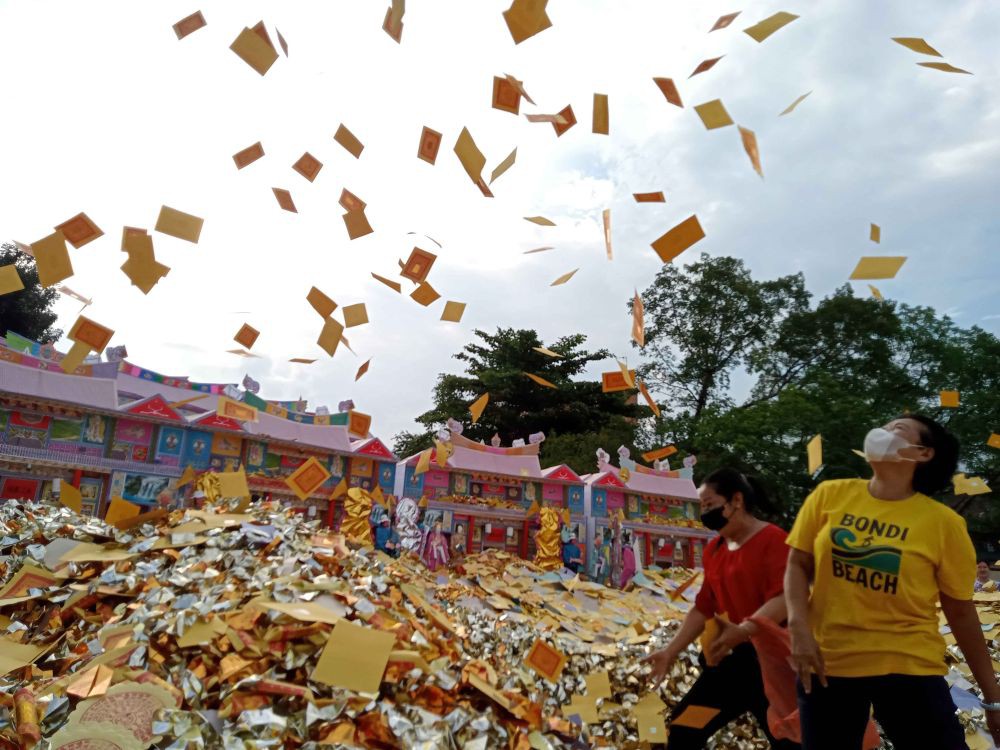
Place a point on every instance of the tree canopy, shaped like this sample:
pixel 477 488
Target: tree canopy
pixel 576 416
pixel 29 311
pixel 751 371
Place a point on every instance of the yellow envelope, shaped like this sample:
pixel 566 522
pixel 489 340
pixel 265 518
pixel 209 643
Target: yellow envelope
pixel 453 311
pixel 347 139
pixel 814 450
pixel 179 224
pixel 949 399
pixel 679 239
pixel 10 280
pixel 602 119
pixel 74 357
pixel 504 165
pixel 469 154
pixel 425 294
pixel 872 268
pixel 794 104
pixel 761 31
pixel 564 278
pixel 321 303
pixel 916 44
pixel 120 509
pixel 329 338
pixel 476 407
pixel 713 114
pixel 254 51
pixel 70 496
pixel 354 658
pixel 355 315
pixel 233 484
pixel 52 259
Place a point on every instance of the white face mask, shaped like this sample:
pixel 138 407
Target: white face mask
pixel 882 445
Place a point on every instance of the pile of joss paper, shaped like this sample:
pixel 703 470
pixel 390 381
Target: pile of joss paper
pixel 261 629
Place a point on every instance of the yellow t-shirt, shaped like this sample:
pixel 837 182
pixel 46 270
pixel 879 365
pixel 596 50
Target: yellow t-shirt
pixel 879 565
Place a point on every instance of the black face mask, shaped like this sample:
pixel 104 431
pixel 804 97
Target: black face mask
pixel 714 520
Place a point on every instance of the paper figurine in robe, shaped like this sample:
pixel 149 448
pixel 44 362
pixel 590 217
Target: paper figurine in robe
pixel 600 566
pixel 357 509
pixel 459 546
pixel 616 549
pixel 547 552
pixel 628 560
pixel 408 525
pixel 624 460
pixel 434 551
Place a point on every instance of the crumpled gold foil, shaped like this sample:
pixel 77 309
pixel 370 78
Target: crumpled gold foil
pixel 547 552
pixel 357 509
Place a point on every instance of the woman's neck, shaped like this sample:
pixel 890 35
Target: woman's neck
pixel 742 529
pixel 891 480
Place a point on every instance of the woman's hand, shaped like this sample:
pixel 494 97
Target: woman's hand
pixel 806 658
pixel 730 636
pixel 661 661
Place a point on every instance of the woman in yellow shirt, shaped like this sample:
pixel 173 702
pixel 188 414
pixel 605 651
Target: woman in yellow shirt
pixel 880 554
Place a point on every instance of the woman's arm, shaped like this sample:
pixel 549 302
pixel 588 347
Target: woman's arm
pixel 806 656
pixel 690 629
pixel 964 622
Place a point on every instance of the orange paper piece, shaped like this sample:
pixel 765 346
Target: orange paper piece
pixel 249 155
pixel 545 660
pixel 614 381
pixel 917 45
pixel 649 399
pixel 525 18
pixel 358 423
pixel 540 380
pixel 601 121
pixel 349 141
pixel 79 230
pixel 476 407
pixel 750 146
pixel 232 409
pixel 656 455
pixel 724 21
pixel 794 104
pixel 606 219
pixel 10 280
pixel 357 224
pixel 569 121
pixel 564 278
pixel 679 239
pixel 308 166
pixel 875 233
pixel 944 67
pixel 179 224
pixel 321 303
pixel 638 320
pixel 354 658
pixel 430 144
pixel 284 199
pixel 190 24
pixel 254 50
pixel 506 96
pixel 761 31
pixel 361 371
pixel 949 399
pixel 418 265
pixel 94 335
pixel 993 440
pixel 394 285
pixel 425 294
pixel 705 66
pixel 657 197
pixel 246 336
pixel 695 717
pixel 669 89
pixel 308 478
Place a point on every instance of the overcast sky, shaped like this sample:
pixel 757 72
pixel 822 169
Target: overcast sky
pixel 107 112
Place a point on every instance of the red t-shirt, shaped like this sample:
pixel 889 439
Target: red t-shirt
pixel 738 582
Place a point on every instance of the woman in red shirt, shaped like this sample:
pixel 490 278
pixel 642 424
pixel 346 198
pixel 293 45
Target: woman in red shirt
pixel 744 572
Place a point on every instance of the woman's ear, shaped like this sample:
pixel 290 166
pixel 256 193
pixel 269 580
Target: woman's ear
pixel 737 496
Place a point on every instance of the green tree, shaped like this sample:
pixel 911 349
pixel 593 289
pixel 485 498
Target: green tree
pixel 835 369
pixel 29 311
pixel 576 416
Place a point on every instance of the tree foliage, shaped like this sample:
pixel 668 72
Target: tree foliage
pixel 576 416
pixel 29 311
pixel 751 371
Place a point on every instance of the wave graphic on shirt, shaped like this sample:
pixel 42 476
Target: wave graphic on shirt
pixel 846 549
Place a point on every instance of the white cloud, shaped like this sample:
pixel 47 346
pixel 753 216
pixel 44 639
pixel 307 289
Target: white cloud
pixel 110 114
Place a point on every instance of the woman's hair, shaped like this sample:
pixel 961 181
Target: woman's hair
pixel 934 475
pixel 727 482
